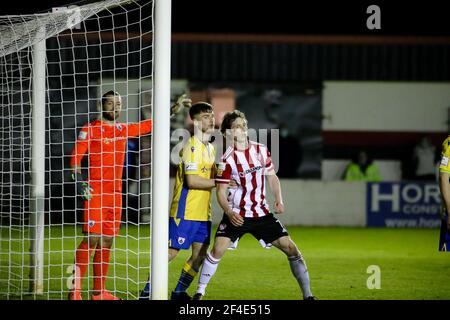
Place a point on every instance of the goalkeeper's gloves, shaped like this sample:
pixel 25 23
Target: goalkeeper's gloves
pixel 83 188
pixel 182 101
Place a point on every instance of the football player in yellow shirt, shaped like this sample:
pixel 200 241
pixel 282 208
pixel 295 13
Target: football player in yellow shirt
pixel 444 185
pixel 190 213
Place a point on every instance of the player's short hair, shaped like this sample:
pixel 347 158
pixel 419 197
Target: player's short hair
pixel 108 94
pixel 229 118
pixel 198 108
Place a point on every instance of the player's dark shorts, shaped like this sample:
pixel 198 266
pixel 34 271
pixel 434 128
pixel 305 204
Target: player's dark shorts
pixel 182 233
pixel 267 228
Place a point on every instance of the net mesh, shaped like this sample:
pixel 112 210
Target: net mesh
pixel 91 49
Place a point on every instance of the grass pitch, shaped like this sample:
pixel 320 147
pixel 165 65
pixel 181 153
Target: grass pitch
pixel 337 259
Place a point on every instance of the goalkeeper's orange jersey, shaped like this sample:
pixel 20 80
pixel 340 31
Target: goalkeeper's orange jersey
pixel 106 144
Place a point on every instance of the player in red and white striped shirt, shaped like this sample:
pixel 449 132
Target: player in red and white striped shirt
pixel 245 207
pixel 247 168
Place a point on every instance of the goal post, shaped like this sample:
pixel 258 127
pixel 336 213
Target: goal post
pixel 160 224
pixel 37 220
pixel 54 67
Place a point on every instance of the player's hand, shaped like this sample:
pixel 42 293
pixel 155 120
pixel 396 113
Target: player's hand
pixel 235 219
pixel 182 102
pixel 279 207
pixel 83 188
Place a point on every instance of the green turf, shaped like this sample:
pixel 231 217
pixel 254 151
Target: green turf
pixel 337 258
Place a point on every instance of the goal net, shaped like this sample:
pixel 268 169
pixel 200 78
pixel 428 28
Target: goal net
pixel 89 49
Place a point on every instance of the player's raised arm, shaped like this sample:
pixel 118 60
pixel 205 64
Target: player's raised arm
pixel 146 126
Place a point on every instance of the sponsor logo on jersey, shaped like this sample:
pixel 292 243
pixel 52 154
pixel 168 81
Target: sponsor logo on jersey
pixel 109 140
pixel 191 166
pixel 82 135
pixel 243 173
pixel 181 240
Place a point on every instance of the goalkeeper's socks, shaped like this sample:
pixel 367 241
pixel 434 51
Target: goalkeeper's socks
pixel 188 274
pixel 101 264
pixel 300 272
pixel 82 257
pixel 208 269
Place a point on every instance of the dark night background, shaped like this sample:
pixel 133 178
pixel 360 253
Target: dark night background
pixel 289 17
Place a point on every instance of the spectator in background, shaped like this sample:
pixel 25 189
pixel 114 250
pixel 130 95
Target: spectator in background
pixel 424 160
pixel 362 168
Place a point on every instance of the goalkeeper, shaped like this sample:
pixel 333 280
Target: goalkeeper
pixel 105 141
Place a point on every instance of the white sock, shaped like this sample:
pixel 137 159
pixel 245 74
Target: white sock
pixel 300 272
pixel 208 269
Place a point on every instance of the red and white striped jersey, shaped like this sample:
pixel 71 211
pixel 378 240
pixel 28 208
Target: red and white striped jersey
pixel 247 168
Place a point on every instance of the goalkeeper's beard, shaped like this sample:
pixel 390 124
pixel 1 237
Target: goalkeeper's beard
pixel 110 115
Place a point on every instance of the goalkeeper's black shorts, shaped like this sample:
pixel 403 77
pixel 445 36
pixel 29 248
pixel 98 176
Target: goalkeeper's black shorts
pixel 267 228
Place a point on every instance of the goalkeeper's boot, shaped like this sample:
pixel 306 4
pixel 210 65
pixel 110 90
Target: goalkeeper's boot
pixel 180 296
pixel 75 295
pixel 145 294
pixel 105 295
pixel 311 298
pixel 197 296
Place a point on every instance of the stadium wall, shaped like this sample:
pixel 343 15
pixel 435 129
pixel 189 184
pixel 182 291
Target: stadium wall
pixel 316 203
pixel 393 204
pixel 386 106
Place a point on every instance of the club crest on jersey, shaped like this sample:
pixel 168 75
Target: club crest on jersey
pixel 181 240
pixel 91 223
pixel 192 149
pixel 221 168
pixel 82 135
pixel 119 126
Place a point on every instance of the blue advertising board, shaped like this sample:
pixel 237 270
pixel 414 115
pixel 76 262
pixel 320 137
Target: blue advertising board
pixel 403 205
